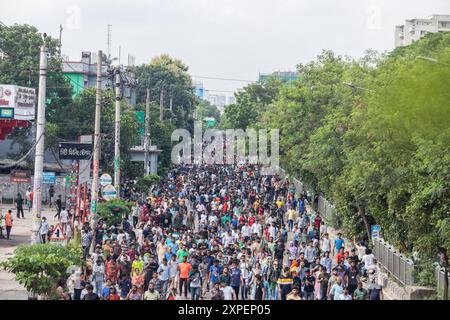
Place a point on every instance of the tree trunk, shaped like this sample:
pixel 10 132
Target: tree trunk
pixel 361 212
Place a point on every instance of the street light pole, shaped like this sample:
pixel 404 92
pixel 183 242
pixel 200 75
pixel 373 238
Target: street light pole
pixel 117 134
pixel 97 148
pixel 432 60
pixel 147 133
pixel 351 85
pixel 39 152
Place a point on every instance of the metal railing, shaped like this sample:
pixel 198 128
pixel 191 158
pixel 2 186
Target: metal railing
pixel 394 263
pixel 397 265
pixel 327 211
pixel 440 278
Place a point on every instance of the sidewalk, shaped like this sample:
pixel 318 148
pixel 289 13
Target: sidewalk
pixel 10 289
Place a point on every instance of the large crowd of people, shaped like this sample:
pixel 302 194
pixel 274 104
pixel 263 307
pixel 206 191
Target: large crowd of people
pixel 221 233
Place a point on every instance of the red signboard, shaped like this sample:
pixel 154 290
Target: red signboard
pixel 20 176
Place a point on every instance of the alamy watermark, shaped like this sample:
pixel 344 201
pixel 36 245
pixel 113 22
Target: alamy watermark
pixel 230 146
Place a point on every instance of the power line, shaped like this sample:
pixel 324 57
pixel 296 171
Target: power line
pixel 223 79
pixel 24 157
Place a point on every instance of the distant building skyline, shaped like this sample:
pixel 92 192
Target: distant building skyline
pixel 416 28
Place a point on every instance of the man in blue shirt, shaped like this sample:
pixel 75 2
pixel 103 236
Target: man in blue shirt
pixel 236 278
pixel 105 291
pixel 214 272
pixel 338 243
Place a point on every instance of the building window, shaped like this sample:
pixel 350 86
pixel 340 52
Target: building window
pixel 444 24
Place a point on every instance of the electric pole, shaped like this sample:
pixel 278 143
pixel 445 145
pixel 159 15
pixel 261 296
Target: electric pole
pixel 39 152
pixel 147 133
pixel 97 147
pixel 60 39
pixel 117 134
pixel 161 105
pixel 171 108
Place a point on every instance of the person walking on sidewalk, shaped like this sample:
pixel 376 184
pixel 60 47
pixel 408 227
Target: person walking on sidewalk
pixel 43 229
pixel 58 207
pixel 8 224
pixel 19 206
pixel 51 195
pixel 29 198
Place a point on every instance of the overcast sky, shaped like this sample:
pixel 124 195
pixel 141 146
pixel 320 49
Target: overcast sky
pixel 223 38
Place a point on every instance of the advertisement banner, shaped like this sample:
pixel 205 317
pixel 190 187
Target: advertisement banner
pixel 48 178
pixel 20 176
pixel 21 101
pixel 85 165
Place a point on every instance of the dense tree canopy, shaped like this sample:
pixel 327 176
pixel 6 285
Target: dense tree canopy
pixel 168 74
pixel 69 116
pixel 372 135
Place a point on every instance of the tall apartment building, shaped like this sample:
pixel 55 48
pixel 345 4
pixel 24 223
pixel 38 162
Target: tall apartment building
pixel 416 28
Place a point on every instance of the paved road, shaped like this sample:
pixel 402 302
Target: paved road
pixel 10 289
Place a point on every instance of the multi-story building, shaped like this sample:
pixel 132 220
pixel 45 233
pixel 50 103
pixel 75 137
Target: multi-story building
pixel 83 75
pixel 416 28
pixel 199 89
pixel 281 75
pixel 219 100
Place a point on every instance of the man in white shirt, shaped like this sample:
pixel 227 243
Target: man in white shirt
pixel 228 292
pixel 64 218
pixel 257 228
pixel 228 239
pixel 246 230
pixel 325 244
pixel 203 218
pixel 345 295
pixel 368 259
pixel 212 219
pixel 272 231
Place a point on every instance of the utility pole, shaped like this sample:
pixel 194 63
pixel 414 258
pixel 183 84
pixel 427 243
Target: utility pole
pixel 147 133
pixel 161 105
pixel 60 39
pixel 97 147
pixel 443 262
pixel 117 133
pixel 39 152
pixel 171 107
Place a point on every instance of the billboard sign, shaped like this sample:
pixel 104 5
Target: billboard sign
pixel 85 165
pixel 21 100
pixel 48 178
pixel 105 179
pixel 6 113
pixel 20 176
pixel 376 231
pixel 109 192
pixel 75 151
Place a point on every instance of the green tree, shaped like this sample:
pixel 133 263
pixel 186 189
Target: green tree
pixel 205 109
pixel 39 267
pixel 251 102
pixel 20 45
pixel 145 183
pixel 171 75
pixel 79 120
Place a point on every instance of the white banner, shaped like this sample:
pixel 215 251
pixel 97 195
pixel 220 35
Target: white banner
pixel 21 99
pixel 85 165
